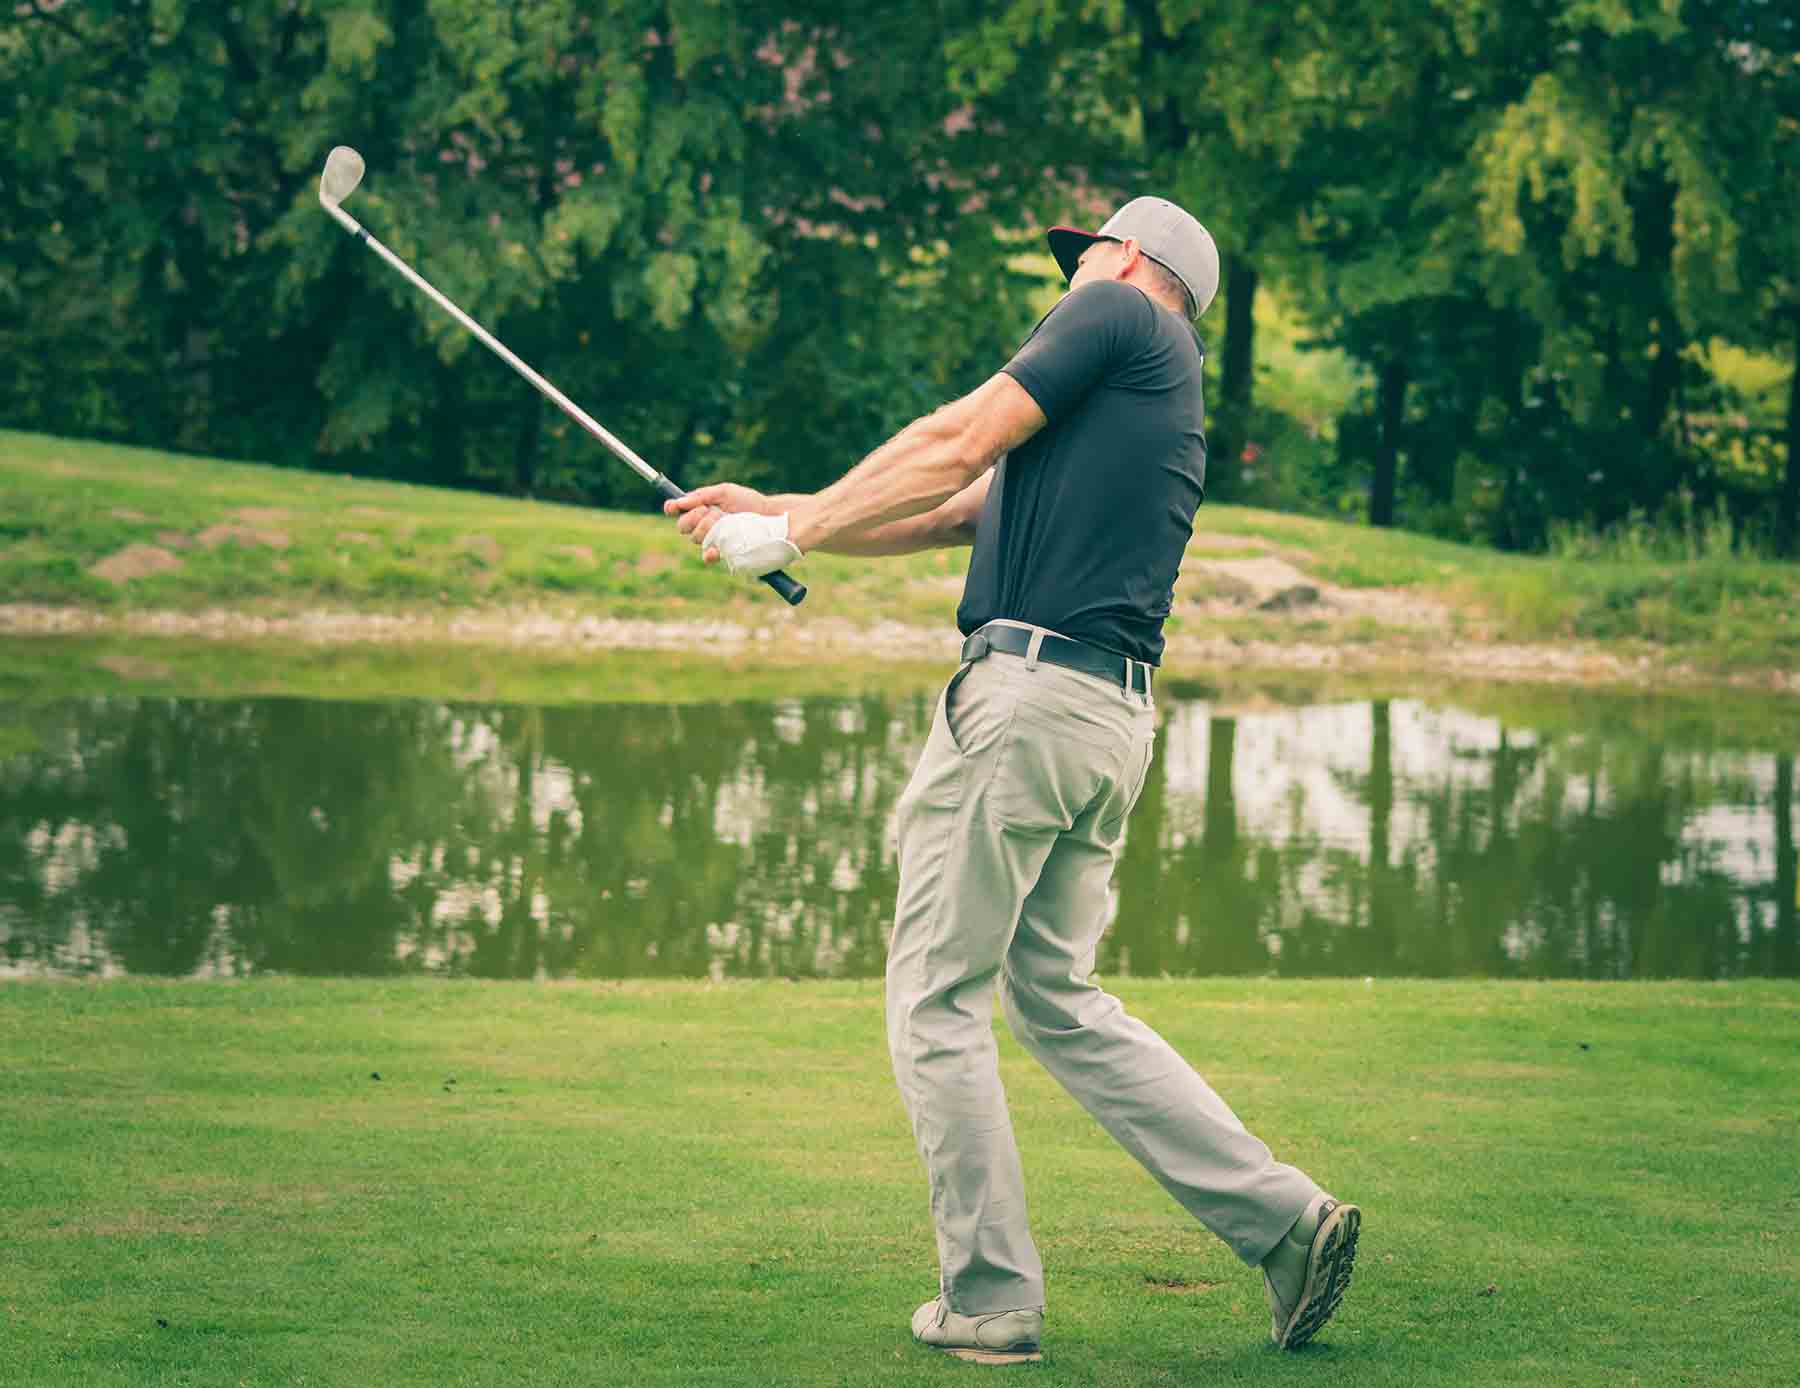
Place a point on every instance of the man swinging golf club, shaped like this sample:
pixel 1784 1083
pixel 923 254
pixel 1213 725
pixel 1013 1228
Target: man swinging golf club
pixel 1075 471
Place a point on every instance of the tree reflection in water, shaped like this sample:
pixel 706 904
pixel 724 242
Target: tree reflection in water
pixel 169 836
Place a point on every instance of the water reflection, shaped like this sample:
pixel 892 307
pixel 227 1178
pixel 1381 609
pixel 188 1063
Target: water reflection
pixel 169 836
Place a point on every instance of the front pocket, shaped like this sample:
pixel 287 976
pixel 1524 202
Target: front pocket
pixel 977 722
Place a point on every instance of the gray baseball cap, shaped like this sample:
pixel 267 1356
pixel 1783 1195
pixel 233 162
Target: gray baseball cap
pixel 1168 235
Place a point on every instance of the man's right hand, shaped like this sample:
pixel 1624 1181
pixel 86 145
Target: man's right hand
pixel 702 508
pixel 726 497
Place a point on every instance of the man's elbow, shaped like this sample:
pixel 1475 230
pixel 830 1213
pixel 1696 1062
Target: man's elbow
pixel 974 452
pixel 958 532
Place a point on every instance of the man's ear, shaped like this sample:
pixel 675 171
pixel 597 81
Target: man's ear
pixel 1129 260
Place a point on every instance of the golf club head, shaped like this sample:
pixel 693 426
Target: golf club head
pixel 343 171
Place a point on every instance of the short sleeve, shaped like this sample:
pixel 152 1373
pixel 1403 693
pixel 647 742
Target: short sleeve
pixel 1089 332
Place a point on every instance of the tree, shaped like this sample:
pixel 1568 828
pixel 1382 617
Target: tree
pixel 697 219
pixel 1609 216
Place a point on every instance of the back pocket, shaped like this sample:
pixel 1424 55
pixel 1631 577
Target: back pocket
pixel 1049 774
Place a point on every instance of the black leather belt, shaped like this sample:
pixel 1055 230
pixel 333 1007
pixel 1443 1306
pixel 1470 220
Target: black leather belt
pixel 1128 674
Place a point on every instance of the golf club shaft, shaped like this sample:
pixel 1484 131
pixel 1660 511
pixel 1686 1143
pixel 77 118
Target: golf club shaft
pixel 791 591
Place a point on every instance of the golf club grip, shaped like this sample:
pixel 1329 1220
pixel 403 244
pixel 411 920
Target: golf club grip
pixel 791 592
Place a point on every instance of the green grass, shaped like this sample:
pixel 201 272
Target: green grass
pixel 296 542
pixel 276 540
pixel 40 669
pixel 679 1184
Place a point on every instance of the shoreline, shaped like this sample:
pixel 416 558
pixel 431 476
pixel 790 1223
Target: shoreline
pixel 1399 651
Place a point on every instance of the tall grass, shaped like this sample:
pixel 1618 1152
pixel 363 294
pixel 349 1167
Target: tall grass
pixel 1685 532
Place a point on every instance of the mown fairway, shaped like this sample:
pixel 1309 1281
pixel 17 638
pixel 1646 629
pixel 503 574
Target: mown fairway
pixel 644 1184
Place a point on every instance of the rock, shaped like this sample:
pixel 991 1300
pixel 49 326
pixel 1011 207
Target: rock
pixel 1294 599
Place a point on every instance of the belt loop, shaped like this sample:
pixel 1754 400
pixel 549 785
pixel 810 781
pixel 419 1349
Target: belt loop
pixel 1031 649
pixel 1130 679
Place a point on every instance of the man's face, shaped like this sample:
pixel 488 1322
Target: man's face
pixel 1103 260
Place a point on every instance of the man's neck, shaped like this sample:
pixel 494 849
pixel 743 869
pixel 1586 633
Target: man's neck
pixel 1154 294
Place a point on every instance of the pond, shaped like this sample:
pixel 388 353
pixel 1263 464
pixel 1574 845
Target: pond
pixel 1294 833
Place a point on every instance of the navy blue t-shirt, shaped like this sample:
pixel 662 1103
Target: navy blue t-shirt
pixel 1085 523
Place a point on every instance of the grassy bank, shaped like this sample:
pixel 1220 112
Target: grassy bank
pixel 43 668
pixel 128 531
pixel 592 1184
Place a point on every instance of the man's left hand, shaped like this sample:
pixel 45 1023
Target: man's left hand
pixel 752 545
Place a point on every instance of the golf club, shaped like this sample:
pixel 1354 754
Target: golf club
pixel 343 171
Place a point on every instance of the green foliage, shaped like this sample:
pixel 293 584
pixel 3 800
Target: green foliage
pixel 753 239
pixel 636 200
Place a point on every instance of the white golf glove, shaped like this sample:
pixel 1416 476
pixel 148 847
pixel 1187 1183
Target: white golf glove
pixel 753 545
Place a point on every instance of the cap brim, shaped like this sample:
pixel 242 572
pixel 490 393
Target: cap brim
pixel 1067 244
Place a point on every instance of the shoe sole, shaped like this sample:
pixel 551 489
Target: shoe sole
pixel 1328 1269
pixel 993 1356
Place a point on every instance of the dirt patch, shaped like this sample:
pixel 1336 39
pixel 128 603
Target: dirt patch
pixel 174 539
pixel 125 513
pixel 262 515
pixel 1275 586
pixel 1193 651
pixel 129 667
pixel 355 537
pixel 585 553
pixel 244 535
pixel 1205 540
pixel 1264 574
pixel 484 547
pixel 135 561
pixel 1178 1286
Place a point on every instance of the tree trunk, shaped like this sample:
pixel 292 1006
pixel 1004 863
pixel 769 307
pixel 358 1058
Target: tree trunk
pixel 1786 961
pixel 525 445
pixel 1218 825
pixel 448 465
pixel 1237 385
pixel 1237 382
pixel 1787 507
pixel 1165 128
pixel 1665 378
pixel 1392 407
pixel 1381 784
pixel 1146 875
pixel 1380 919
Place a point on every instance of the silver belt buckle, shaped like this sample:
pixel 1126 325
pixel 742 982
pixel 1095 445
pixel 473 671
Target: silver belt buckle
pixel 976 647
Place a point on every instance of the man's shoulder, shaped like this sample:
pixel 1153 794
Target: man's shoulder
pixel 1107 297
pixel 1119 311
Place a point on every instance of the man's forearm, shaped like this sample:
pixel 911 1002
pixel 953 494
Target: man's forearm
pixel 912 474
pixel 936 529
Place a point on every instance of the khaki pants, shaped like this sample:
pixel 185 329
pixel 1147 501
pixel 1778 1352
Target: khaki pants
pixel 1009 833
